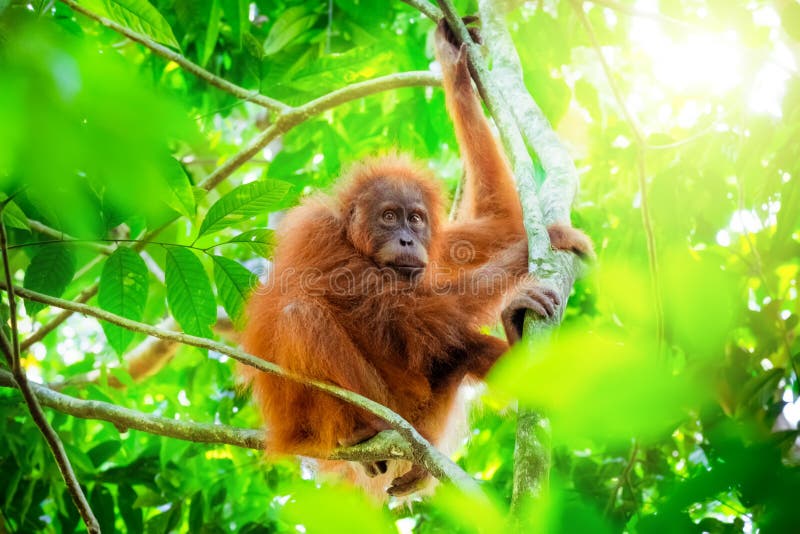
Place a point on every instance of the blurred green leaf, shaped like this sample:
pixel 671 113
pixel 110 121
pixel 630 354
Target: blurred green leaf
pixel 236 15
pixel 189 294
pixel 50 271
pixel 790 19
pixel 196 512
pixel 123 291
pixel 13 216
pixel 104 451
pixel 608 376
pixel 132 516
pixel 291 23
pixel 102 504
pixel 137 15
pixel 248 200
pixel 234 284
pixel 334 509
pixel 212 20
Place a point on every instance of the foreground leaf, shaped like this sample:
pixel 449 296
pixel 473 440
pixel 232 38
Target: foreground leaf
pixel 189 294
pixel 123 291
pixel 13 216
pixel 137 15
pixel 234 284
pixel 243 202
pixel 50 271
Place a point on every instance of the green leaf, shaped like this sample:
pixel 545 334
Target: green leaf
pixel 234 284
pixel 236 16
pixel 292 22
pixel 50 271
pixel 102 503
pixel 261 240
pixel 196 512
pixel 131 515
pixel 189 294
pixel 137 15
pixel 123 291
pixel 243 202
pixel 212 31
pixel 180 196
pixel 13 216
pixel 102 452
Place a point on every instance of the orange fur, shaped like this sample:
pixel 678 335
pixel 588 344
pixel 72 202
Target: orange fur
pixel 408 344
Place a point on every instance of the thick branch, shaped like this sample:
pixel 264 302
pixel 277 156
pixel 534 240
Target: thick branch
pixel 161 50
pixel 423 452
pixel 532 454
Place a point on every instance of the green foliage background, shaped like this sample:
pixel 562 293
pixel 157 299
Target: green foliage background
pixel 679 416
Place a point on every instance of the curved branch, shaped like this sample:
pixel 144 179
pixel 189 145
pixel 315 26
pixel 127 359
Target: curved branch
pixel 291 117
pixel 161 50
pixel 387 444
pixel 423 452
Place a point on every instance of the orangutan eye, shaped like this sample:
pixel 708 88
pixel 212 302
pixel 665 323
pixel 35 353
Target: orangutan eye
pixel 415 218
pixel 389 216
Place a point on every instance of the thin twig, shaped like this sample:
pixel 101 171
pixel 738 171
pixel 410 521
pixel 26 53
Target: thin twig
pixel 42 228
pixel 641 142
pixel 161 50
pixel 12 354
pixel 423 452
pixel 623 477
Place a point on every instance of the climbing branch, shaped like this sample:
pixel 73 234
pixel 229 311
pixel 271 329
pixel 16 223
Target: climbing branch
pixel 520 126
pixel 421 451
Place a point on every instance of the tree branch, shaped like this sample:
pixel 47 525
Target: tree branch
pixel 387 444
pixel 164 52
pixel 12 353
pixel 422 452
pixel 553 203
